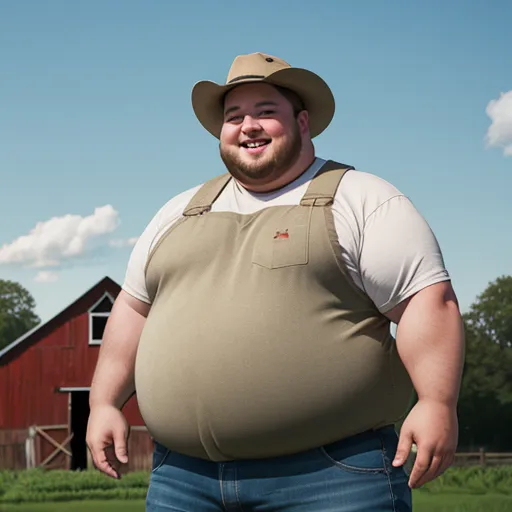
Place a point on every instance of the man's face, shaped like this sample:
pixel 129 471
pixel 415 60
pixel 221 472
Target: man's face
pixel 261 136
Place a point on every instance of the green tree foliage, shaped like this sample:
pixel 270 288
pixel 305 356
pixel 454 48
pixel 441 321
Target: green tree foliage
pixel 485 404
pixel 491 314
pixel 16 312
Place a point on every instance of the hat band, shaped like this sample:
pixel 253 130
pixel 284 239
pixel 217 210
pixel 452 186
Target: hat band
pixel 245 77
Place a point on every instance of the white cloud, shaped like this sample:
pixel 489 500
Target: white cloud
pixel 119 243
pixel 499 133
pixel 46 276
pixel 60 238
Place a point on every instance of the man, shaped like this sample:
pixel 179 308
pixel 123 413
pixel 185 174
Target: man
pixel 254 322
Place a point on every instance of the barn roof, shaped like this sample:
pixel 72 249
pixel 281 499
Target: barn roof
pixel 79 306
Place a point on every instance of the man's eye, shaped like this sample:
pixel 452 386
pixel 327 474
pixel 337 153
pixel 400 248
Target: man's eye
pixel 267 112
pixel 234 119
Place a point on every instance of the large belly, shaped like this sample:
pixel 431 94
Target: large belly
pixel 257 381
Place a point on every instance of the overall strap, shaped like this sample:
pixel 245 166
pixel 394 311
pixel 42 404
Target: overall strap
pixel 323 186
pixel 206 196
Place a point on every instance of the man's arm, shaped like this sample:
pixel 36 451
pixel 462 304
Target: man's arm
pixel 430 342
pixel 113 383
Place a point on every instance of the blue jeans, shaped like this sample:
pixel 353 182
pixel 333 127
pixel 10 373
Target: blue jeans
pixel 352 475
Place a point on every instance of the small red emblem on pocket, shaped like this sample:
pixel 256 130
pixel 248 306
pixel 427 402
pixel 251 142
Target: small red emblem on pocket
pixel 281 234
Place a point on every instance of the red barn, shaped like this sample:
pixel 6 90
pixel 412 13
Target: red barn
pixel 45 377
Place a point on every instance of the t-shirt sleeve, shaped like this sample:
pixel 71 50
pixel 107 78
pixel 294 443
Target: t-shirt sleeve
pixel 135 278
pixel 135 275
pixel 399 254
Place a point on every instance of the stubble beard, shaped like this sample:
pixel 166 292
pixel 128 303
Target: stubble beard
pixel 263 169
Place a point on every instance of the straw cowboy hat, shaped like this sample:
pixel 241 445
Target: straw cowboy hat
pixel 207 96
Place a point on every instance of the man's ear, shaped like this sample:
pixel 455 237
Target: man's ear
pixel 303 121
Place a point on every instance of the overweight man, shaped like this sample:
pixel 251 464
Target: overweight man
pixel 254 322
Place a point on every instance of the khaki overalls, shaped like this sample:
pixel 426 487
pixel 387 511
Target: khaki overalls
pixel 258 343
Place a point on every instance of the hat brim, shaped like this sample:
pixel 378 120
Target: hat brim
pixel 207 98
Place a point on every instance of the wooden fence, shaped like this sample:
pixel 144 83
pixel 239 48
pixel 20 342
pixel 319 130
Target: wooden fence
pixel 464 459
pixel 49 447
pixel 483 458
pixel 18 451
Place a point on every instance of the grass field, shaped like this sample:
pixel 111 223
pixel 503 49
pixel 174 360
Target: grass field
pixel 77 506
pixel 470 489
pixel 423 502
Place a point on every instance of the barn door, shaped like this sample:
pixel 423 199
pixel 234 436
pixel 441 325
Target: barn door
pixel 53 450
pixel 79 416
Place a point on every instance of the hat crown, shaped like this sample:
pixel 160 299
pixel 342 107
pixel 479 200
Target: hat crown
pixel 254 66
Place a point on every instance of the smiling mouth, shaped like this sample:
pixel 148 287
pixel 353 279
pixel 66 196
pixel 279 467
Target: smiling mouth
pixel 253 144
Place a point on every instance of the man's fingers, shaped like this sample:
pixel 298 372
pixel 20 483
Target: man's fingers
pixel 102 462
pixel 121 451
pixel 432 472
pixel 447 462
pixel 403 449
pixel 421 466
pixel 106 468
pixel 440 463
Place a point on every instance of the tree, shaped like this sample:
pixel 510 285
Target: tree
pixel 485 404
pixel 492 312
pixel 16 312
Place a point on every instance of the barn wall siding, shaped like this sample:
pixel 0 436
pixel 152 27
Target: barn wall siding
pixel 12 449
pixel 57 355
pixel 140 451
pixel 31 382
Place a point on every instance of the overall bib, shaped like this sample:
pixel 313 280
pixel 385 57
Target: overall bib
pixel 258 343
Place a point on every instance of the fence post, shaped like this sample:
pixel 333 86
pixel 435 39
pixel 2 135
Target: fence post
pixel 30 448
pixel 482 457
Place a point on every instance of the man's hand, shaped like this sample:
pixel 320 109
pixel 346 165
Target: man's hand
pixel 433 426
pixel 107 438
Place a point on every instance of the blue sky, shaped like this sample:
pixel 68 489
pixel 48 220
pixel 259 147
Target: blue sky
pixel 97 131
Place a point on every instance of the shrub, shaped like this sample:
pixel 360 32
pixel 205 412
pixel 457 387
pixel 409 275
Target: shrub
pixel 7 479
pixel 39 485
pixel 474 480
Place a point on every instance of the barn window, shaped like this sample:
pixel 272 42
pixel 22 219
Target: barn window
pixel 98 316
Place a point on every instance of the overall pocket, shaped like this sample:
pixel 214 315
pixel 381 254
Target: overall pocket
pixel 283 240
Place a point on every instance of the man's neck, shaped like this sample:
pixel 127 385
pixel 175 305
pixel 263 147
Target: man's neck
pixel 284 179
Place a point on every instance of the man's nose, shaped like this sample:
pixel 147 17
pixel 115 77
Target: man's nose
pixel 250 124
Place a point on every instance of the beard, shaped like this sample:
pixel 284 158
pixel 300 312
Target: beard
pixel 262 168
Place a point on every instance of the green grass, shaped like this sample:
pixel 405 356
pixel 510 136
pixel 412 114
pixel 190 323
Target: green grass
pixel 37 486
pixel 471 489
pixel 423 502
pixel 78 506
pixel 474 480
pixel 426 502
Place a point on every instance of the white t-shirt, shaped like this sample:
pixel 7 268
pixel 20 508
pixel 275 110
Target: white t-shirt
pixel 388 247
